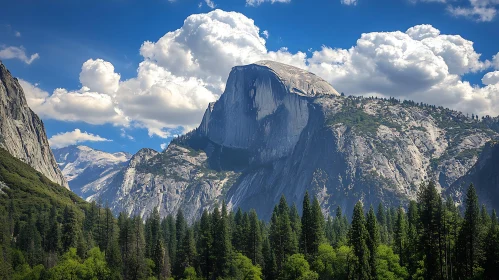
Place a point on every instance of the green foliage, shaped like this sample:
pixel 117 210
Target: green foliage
pixel 242 268
pixel 296 267
pixel 325 263
pixel 358 237
pixel 387 265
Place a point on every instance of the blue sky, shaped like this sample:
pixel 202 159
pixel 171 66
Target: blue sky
pixel 47 45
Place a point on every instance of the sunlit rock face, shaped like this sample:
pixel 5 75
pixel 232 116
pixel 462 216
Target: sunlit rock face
pixel 22 132
pixel 279 130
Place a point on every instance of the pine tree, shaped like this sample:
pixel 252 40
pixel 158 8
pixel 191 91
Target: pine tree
pixel 54 233
pixel 238 232
pixel 295 219
pixel 187 254
pixel 69 234
pixel 317 226
pixel 400 235
pixel 205 244
pixel 170 236
pixel 255 239
pixel 221 241
pixel 381 217
pixel 270 264
pixel 306 224
pixel 469 235
pixel 429 200
pixel 282 239
pixel 372 242
pixel 491 264
pixel 358 237
pixel 412 237
pixel 160 258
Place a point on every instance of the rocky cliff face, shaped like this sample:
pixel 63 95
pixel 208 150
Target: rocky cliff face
pixel 484 175
pixel 278 130
pixel 21 131
pixel 87 170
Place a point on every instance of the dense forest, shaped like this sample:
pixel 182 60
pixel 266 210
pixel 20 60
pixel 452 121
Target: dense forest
pixel 430 238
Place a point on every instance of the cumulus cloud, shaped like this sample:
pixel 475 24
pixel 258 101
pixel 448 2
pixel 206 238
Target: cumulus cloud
pixel 256 3
pixel 18 53
pixel 349 2
pixel 491 78
pixel 187 68
pixel 265 34
pixel 99 76
pixel 163 146
pixel 73 137
pixel 419 64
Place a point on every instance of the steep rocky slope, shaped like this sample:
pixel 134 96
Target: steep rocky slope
pixel 484 175
pixel 88 170
pixel 22 133
pixel 280 130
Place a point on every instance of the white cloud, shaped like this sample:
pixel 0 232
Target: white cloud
pixel 477 10
pixel 17 34
pixel 491 78
pixel 420 64
pixel 17 52
pixel 265 33
pixel 73 137
pixel 210 4
pixel 163 146
pixel 99 76
pixel 255 3
pixel 349 2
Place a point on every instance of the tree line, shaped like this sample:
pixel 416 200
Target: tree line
pixel 430 238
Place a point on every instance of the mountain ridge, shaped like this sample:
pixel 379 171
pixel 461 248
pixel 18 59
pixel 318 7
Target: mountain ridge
pixel 263 139
pixel 22 132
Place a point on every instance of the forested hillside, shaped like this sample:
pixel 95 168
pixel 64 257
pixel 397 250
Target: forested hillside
pixel 429 238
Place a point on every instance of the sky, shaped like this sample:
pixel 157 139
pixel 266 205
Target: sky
pixel 121 75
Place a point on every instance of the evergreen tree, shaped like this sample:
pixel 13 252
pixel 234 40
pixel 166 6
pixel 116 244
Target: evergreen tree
pixel 491 264
pixel 221 241
pixel 238 232
pixel 317 226
pixel 469 235
pixel 205 243
pixel 54 233
pixel 358 237
pixel 187 251
pixel 400 235
pixel 69 234
pixel 372 242
pixel 306 226
pixel 412 257
pixel 282 239
pixel 270 264
pixel 255 239
pixel 295 219
pixel 429 200
pixel 161 262
pixel 381 217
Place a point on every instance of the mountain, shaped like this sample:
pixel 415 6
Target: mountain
pixel 22 132
pixel 88 170
pixel 484 175
pixel 279 130
pixel 28 189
